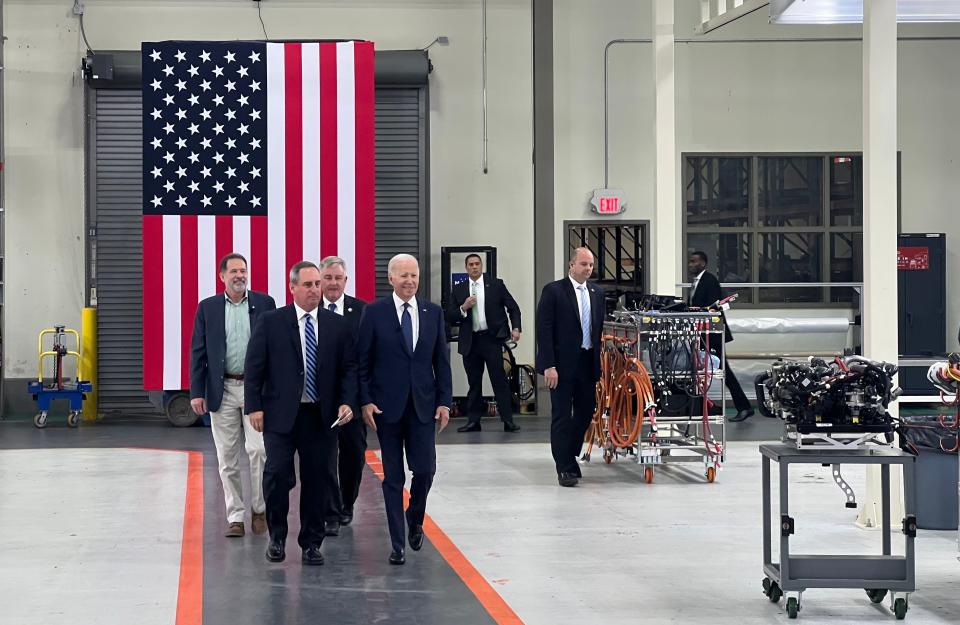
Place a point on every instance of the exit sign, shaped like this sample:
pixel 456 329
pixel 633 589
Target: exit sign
pixel 608 201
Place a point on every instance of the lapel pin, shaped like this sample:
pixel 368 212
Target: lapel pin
pixel 349 310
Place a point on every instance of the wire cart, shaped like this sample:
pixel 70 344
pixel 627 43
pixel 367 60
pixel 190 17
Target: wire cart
pixel 652 396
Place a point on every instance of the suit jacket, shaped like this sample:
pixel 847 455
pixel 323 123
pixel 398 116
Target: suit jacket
pixel 707 293
pixel 497 304
pixel 559 333
pixel 352 311
pixel 273 380
pixel 389 374
pixel 208 348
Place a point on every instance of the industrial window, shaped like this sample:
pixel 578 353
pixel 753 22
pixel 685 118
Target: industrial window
pixel 620 253
pixel 777 218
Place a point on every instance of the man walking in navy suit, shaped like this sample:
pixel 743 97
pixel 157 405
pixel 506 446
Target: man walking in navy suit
pixel 221 331
pixel 300 384
pixel 569 323
pixel 348 460
pixel 405 389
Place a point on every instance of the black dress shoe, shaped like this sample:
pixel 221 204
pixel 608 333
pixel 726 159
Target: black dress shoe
pixel 511 427
pixel 416 537
pixel 312 556
pixel 347 517
pixel 275 551
pixel 742 415
pixel 396 557
pixel 470 427
pixel 331 528
pixel 568 479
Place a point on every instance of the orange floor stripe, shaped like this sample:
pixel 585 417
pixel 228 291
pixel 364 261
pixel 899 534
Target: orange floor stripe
pixel 491 601
pixel 190 591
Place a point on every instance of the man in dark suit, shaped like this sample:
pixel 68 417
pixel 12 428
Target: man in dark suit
pixel 301 382
pixel 705 292
pixel 479 307
pixel 347 462
pixel 569 324
pixel 221 331
pixel 405 388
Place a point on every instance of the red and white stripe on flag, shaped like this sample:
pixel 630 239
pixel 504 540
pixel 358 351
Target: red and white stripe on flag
pixel 320 183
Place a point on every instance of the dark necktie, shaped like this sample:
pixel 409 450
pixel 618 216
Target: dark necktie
pixel 332 307
pixel 310 351
pixel 406 327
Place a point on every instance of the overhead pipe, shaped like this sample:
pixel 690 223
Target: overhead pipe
pixel 483 11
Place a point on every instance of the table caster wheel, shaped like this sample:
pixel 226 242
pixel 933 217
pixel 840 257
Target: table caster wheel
pixel 876 595
pixel 648 475
pixel 73 419
pixel 793 607
pixel 711 474
pixel 766 586
pixel 40 420
pixel 900 608
pixel 775 592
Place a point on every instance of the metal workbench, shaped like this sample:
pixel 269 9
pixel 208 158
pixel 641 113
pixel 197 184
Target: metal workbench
pixel 877 574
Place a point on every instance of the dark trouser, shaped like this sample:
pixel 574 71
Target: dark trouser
pixel 571 408
pixel 740 400
pixel 486 349
pixel 419 440
pixel 346 467
pixel 315 443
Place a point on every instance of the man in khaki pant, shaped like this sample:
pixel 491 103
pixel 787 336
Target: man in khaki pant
pixel 221 332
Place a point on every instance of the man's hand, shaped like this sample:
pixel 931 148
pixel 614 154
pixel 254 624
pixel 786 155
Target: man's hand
pixel 551 376
pixel 515 335
pixel 344 414
pixel 256 420
pixel 368 411
pixel 468 303
pixel 199 405
pixel 443 416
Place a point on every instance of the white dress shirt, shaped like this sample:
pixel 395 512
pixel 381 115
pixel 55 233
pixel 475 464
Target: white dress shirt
pixel 479 322
pixel 414 315
pixel 696 283
pixel 339 303
pixel 583 295
pixel 301 320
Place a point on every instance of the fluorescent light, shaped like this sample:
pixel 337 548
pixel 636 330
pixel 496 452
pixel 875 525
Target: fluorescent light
pixel 851 11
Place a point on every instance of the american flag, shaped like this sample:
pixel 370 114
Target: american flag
pixel 266 149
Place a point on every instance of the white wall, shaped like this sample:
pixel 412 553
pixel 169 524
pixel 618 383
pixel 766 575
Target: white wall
pixel 45 131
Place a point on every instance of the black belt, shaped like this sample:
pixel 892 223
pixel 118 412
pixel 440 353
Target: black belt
pixel 233 376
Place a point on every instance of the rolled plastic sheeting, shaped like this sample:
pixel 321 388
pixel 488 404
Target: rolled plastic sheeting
pixel 776 325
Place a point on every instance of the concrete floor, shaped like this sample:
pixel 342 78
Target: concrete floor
pixel 91 533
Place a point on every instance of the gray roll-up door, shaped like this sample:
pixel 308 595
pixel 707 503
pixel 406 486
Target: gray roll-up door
pixel 114 177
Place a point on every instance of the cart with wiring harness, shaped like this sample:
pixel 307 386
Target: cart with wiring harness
pixel 652 397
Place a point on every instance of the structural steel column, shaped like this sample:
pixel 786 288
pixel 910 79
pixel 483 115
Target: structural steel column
pixel 665 249
pixel 544 254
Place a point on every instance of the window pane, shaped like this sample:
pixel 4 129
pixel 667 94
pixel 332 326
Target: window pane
pixel 846 263
pixel 846 191
pixel 791 190
pixel 717 191
pixel 790 257
pixel 729 256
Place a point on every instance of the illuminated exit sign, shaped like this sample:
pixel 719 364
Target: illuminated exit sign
pixel 608 201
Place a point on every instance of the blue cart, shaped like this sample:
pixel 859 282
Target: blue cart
pixel 58 388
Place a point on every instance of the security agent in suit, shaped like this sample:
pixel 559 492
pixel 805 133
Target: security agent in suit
pixel 347 462
pixel 569 324
pixel 221 331
pixel 301 382
pixel 479 307
pixel 405 388
pixel 705 292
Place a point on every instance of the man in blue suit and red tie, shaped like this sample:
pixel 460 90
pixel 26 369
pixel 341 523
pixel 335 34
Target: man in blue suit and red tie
pixel 405 390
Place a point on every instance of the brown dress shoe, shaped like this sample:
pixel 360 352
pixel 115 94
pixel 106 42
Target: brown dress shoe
pixel 234 530
pixel 259 523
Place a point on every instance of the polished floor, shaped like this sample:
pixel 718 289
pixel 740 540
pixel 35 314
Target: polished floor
pixel 97 528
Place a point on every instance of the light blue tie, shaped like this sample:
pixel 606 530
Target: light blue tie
pixel 585 317
pixel 310 350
